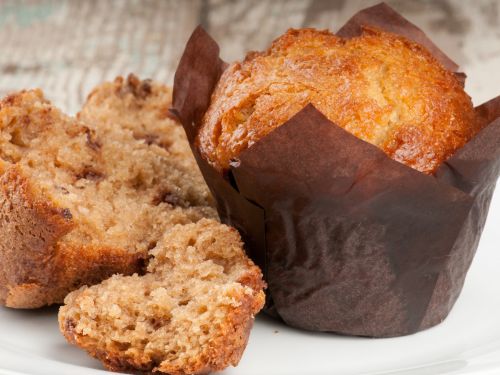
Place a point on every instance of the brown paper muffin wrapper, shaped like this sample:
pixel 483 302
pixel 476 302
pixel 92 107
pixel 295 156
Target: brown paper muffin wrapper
pixel 349 240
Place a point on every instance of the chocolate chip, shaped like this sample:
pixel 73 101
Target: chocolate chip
pixel 92 141
pixel 63 189
pixel 157 323
pixel 152 245
pixel 146 88
pixel 140 89
pixel 149 139
pixel 172 199
pixel 90 174
pixel 143 261
pixel 66 213
pixel 69 325
pixel 153 139
pixel 93 176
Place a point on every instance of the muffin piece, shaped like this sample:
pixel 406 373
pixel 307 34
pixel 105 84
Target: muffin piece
pixel 140 106
pixel 382 88
pixel 81 201
pixel 191 313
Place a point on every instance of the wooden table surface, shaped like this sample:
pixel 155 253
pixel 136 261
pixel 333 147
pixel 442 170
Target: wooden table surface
pixel 67 47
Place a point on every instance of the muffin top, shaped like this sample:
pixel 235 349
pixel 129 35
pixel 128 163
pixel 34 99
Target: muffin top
pixel 380 87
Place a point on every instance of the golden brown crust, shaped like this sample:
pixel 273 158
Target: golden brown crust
pixel 380 87
pixel 36 268
pixel 30 231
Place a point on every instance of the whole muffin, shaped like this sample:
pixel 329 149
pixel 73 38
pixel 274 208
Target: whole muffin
pixel 380 87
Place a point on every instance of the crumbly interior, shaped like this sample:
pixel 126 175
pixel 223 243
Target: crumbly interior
pixel 382 88
pixel 188 314
pixel 142 108
pixel 120 190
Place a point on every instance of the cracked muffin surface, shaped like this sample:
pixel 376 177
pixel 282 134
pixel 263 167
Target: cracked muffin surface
pixel 380 87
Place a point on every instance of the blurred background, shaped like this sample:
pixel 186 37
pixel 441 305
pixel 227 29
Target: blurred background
pixel 67 47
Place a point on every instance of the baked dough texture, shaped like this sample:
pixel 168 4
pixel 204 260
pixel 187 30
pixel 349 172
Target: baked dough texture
pixel 83 199
pixel 380 87
pixel 191 313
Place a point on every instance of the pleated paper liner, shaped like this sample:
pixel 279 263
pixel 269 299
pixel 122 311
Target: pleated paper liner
pixel 349 240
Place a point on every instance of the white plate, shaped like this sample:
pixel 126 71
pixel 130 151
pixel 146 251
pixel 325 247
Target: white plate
pixel 468 342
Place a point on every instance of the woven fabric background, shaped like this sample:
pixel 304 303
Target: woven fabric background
pixel 67 47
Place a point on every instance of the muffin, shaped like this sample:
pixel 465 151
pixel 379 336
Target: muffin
pixel 380 87
pixel 355 168
pixel 191 313
pixel 81 200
